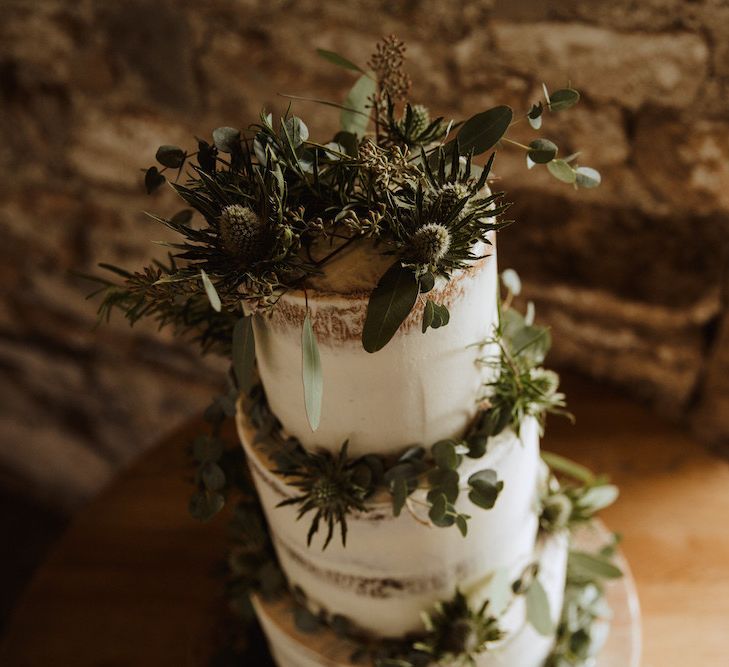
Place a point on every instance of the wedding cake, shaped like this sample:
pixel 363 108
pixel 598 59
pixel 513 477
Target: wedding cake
pixel 394 508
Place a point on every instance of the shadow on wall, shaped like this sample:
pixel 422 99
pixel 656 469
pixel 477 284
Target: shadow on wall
pixel 629 275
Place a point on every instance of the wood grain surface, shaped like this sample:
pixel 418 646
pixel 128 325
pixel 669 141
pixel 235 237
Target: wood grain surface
pixel 136 582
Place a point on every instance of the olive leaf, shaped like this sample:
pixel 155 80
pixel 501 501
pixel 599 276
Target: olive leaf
pixel 312 374
pixel 538 613
pixel 244 353
pixel 210 291
pixel 355 116
pixel 567 467
pixel 390 303
pixel 484 130
pixel 336 59
pixel 581 565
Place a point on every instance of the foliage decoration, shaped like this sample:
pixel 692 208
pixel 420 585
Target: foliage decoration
pixel 522 387
pixel 273 206
pixel 572 494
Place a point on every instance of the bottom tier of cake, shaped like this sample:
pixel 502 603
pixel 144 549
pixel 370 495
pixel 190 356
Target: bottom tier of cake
pixel 521 645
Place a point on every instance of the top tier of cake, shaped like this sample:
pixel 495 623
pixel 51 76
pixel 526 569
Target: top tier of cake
pixel 420 388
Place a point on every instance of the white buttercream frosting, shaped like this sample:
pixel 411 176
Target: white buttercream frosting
pixel 394 567
pixel 420 388
pixel 522 645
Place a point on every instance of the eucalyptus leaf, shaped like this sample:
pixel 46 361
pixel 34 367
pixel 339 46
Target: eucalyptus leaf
pixel 153 179
pixel 312 374
pixel 204 506
pixel 428 314
pixel 399 495
pixel 170 156
pixel 336 59
pixel 426 282
pixel 226 139
pixel 390 303
pixel 445 455
pixel 295 130
pixel 476 445
pixel 562 171
pixel 305 620
pixel 542 151
pixel 538 612
pixel 355 117
pixel 484 130
pixel 244 353
pixel 586 177
pixel 438 509
pixel 485 488
pixel 563 99
pixel 462 524
pixel 210 291
pixel 212 476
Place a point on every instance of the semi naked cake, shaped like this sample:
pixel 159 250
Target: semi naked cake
pixel 393 507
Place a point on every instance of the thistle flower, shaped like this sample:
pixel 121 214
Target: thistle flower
pixel 329 488
pixel 457 633
pixel 241 230
pixel 430 243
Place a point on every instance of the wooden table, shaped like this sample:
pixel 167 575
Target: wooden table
pixel 136 582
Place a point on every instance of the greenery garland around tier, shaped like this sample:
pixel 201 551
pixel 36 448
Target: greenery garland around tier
pixel 268 208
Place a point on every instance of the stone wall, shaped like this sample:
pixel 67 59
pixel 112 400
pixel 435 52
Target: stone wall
pixel 629 275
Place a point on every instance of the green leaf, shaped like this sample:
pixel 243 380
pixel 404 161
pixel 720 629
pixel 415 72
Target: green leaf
pixel 462 524
pixel 356 116
pixel 563 99
pixel 427 282
pixel 535 115
pixel 207 449
pixel 244 353
pixel 567 467
pixel 390 303
pixel 170 156
pixel 211 291
pixel 484 130
pixel 476 445
pixel 204 506
pixel 399 495
pixel 538 613
pixel 212 476
pixel 485 488
pixel 305 620
pixel 542 151
pixel 312 375
pixel 439 508
pixel 226 139
pixel 445 455
pixel 582 565
pixel 336 59
pixel 599 497
pixel 586 177
pixel 428 314
pixel 562 171
pixel 153 179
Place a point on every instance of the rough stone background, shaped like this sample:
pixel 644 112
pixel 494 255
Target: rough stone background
pixel 630 276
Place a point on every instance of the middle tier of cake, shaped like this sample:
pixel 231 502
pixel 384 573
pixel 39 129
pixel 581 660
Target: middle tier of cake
pixel 394 568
